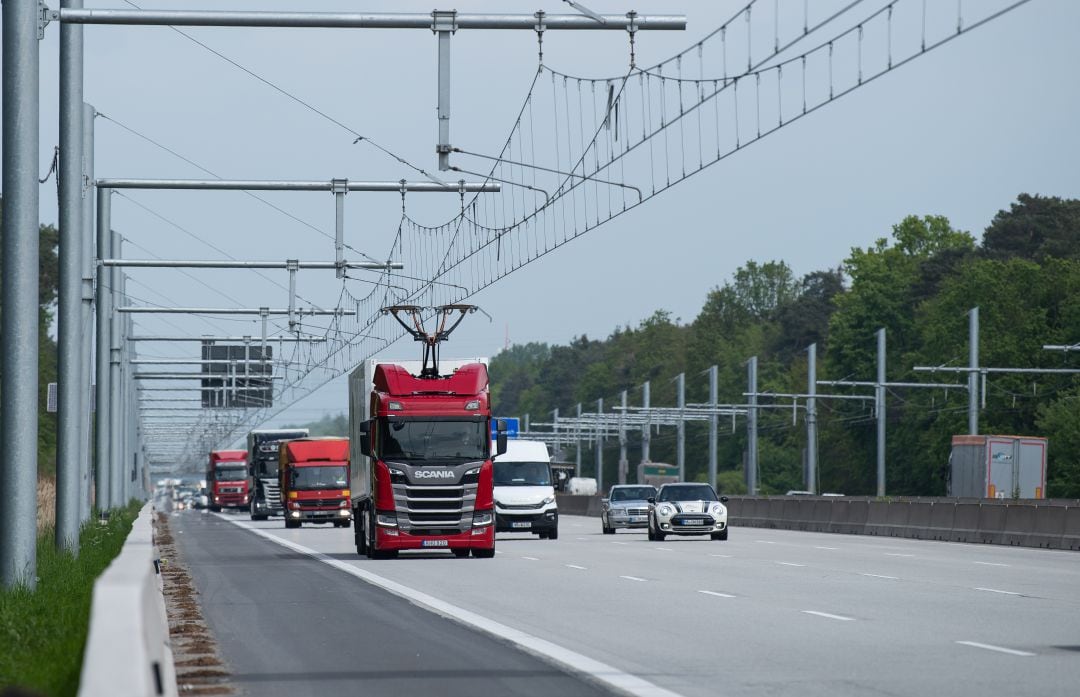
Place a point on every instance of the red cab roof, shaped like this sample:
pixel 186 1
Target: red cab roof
pixel 394 380
pixel 316 449
pixel 227 456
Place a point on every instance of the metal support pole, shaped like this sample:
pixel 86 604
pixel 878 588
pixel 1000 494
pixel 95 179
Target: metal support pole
pixel 599 438
pixel 19 294
pixel 624 463
pixel 680 441
pixel 714 396
pixel 973 374
pixel 116 404
pixel 811 420
pixel 444 25
pixel 555 428
pixel 103 411
pixel 751 428
pixel 646 432
pixel 86 502
pixel 69 441
pixel 340 188
pixel 879 393
pixel 577 433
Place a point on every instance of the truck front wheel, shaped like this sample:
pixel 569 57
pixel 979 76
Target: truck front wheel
pixel 484 553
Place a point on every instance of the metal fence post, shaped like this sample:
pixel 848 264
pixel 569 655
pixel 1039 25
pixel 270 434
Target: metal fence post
pixel 103 293
pixel 116 416
pixel 86 409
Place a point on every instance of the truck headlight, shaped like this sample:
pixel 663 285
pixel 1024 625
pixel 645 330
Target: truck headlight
pixel 387 520
pixel 481 518
pixel 294 505
pixel 344 504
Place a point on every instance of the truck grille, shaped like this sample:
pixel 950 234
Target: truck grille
pixel 435 507
pixel 320 503
pixel 521 506
pixel 271 493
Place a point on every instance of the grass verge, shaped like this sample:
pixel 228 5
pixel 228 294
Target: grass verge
pixel 43 632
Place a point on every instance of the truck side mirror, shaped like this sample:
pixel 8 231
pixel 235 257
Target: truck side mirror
pixel 365 444
pixel 500 437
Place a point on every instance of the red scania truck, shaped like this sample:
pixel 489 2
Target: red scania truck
pixel 314 476
pixel 422 475
pixel 226 479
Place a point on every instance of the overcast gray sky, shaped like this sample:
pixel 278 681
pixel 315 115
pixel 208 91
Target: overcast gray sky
pixel 959 132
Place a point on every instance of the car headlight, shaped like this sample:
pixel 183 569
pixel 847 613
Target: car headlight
pixel 665 510
pixel 618 511
pixel 546 501
pixel 716 509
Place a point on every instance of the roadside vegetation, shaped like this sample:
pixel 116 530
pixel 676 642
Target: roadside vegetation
pixel 43 632
pixel 918 283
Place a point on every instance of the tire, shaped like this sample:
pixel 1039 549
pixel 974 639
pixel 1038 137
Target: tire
pixel 360 538
pixel 605 528
pixel 542 535
pixel 215 509
pixel 460 553
pixel 652 535
pixel 722 535
pixel 484 553
pixel 346 524
pixel 384 554
pixel 553 534
pixel 656 536
pixel 292 523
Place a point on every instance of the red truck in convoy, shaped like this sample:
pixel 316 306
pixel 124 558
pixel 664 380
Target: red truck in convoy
pixel 226 479
pixel 314 476
pixel 422 475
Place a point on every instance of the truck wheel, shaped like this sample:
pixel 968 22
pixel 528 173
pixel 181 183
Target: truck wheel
pixel 292 523
pixel 215 509
pixel 460 553
pixel 553 534
pixel 360 537
pixel 384 554
pixel 484 553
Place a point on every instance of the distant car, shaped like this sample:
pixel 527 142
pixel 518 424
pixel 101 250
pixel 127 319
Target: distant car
pixel 627 506
pixel 687 509
pixel 799 492
pixel 201 500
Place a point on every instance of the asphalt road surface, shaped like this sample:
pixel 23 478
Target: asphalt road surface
pixel 769 612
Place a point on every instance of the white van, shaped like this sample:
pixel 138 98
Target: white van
pixel 524 494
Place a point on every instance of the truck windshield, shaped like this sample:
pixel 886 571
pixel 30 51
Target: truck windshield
pixel 230 474
pixel 319 477
pixel 266 467
pixel 522 474
pixel 433 439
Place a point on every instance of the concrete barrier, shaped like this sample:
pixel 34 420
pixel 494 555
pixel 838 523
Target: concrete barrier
pixel 127 649
pixel 991 528
pixel 1019 525
pixel 942 516
pixel 877 519
pixel 1071 536
pixel 1049 528
pixel 919 516
pixel 966 523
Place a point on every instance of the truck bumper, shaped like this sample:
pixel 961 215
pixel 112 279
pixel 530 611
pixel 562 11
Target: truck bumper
pixel 229 500
pixel 328 515
pixel 530 522
pixel 477 538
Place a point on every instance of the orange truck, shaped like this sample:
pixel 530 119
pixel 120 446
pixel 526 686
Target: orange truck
pixel 226 479
pixel 314 475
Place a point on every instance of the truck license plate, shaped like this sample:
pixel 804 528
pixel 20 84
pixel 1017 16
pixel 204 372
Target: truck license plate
pixel 520 524
pixel 434 543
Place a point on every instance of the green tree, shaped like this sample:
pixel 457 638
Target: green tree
pixel 1035 228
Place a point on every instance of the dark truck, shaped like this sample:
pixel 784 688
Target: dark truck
pixel 264 487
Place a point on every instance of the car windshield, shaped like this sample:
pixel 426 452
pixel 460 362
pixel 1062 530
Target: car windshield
pixel 522 474
pixel 687 492
pixel 433 439
pixel 230 474
pixel 320 477
pixel 632 493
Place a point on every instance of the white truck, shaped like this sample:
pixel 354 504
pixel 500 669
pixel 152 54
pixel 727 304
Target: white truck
pixel 524 493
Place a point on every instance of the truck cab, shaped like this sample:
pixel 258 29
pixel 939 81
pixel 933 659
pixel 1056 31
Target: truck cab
pixel 264 482
pixel 524 490
pixel 226 480
pixel 314 484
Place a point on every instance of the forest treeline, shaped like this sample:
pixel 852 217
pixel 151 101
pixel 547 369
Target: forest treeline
pixel 919 284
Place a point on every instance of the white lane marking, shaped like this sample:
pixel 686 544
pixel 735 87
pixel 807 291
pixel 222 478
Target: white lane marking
pixel 575 566
pixel 531 558
pixel 995 590
pixel 895 554
pixel 789 563
pixel 582 539
pixel 891 578
pixel 829 615
pixel 663 549
pixel 498 551
pixel 829 548
pixel 765 542
pixel 989 563
pixel 632 578
pixel 722 556
pixel 718 595
pixel 999 649
pixel 597 670
pixel 619 543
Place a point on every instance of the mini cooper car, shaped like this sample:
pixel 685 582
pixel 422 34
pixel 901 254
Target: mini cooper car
pixel 627 506
pixel 687 509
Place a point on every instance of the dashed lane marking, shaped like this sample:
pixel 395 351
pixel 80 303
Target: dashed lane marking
pixel 531 558
pixel 575 566
pixel 632 578
pixel 995 590
pixel 891 578
pixel 722 556
pixel 828 548
pixel 789 563
pixel 829 615
pixel 989 563
pixel 718 595
pixel 897 554
pixel 999 649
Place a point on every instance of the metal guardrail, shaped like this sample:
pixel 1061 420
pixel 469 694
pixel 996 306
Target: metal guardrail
pixel 1050 524
pixel 128 650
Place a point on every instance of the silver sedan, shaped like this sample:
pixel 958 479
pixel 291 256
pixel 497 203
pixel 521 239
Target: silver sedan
pixel 627 506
